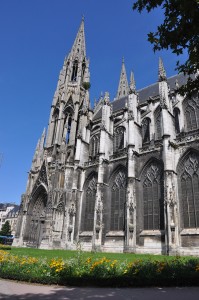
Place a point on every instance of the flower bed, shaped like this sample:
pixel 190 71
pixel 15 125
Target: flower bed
pixel 100 272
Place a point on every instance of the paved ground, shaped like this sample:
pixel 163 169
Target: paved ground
pixel 22 291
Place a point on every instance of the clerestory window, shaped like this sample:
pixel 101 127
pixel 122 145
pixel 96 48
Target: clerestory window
pixel 118 139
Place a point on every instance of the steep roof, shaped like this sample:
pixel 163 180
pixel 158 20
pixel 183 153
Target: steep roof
pixel 144 94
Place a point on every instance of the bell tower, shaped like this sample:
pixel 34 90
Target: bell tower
pixel 70 98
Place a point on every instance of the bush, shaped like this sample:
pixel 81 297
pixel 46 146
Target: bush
pixel 100 272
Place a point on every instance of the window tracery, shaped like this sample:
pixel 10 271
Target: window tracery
pixel 118 195
pixel 90 195
pixel 94 146
pixel 118 139
pixel 189 185
pixel 191 108
pixel 152 198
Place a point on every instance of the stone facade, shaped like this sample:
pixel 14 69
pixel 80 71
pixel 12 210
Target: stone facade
pixel 121 177
pixel 9 212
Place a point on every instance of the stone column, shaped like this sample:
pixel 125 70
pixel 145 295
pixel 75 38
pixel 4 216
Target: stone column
pixel 171 218
pixel 130 236
pixel 98 218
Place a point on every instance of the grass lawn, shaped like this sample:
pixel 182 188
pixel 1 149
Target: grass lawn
pixel 67 254
pixel 66 267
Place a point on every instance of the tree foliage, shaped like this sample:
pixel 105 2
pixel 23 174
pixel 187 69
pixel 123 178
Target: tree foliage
pixel 6 229
pixel 178 32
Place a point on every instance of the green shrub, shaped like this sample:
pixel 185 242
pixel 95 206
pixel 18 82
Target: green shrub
pixel 100 271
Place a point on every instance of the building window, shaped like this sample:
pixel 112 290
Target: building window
pixel 118 139
pixel 90 195
pixel 191 108
pixel 146 130
pixel 189 191
pixel 152 198
pixel 94 146
pixel 176 113
pixel 118 195
pixel 74 71
pixel 68 130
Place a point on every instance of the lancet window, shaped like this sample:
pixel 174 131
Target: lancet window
pixel 68 112
pixel 118 139
pixel 176 113
pixel 74 71
pixel 90 195
pixel 94 146
pixel 118 195
pixel 146 130
pixel 189 191
pixel 191 107
pixel 153 198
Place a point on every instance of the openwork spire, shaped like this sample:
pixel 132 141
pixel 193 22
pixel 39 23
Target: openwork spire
pixel 123 87
pixel 161 71
pixel 79 46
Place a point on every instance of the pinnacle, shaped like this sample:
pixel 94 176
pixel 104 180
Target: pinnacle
pixel 132 83
pixel 161 71
pixel 123 87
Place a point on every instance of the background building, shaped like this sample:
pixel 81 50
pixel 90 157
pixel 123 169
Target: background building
pixel 9 212
pixel 121 177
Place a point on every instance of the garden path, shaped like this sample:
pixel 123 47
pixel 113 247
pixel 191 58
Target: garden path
pixel 11 290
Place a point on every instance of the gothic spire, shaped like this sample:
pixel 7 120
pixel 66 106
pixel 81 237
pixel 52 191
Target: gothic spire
pixel 123 86
pixel 79 47
pixel 161 71
pixel 132 84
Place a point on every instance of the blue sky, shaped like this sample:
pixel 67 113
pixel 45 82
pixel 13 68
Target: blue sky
pixel 35 36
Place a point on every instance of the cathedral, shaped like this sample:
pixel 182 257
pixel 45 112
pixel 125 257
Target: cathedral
pixel 121 177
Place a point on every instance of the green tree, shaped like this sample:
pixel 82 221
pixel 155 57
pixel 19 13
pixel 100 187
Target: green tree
pixel 178 32
pixel 6 229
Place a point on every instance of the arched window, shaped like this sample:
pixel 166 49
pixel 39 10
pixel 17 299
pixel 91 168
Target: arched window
pixel 90 195
pixel 158 124
pixel 74 71
pixel 118 139
pixel 68 112
pixel 191 108
pixel 146 130
pixel 176 113
pixel 94 146
pixel 153 198
pixel 68 130
pixel 189 191
pixel 118 195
